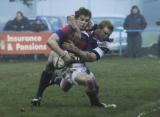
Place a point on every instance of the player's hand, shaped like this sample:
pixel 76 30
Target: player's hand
pixel 77 33
pixel 70 47
pixel 105 44
pixel 71 21
pixel 67 58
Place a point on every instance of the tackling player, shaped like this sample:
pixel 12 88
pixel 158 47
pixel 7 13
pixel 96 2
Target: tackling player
pixel 78 73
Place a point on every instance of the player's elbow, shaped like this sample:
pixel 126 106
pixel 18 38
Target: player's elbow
pixel 51 40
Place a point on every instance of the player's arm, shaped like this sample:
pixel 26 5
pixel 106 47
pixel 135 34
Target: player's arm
pixel 72 22
pixel 85 55
pixel 53 44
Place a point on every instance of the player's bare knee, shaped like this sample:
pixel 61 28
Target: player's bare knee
pixel 89 80
pixel 65 89
pixel 90 83
pixel 65 86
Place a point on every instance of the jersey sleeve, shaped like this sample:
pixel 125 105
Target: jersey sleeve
pixel 64 31
pixel 99 52
pixel 101 49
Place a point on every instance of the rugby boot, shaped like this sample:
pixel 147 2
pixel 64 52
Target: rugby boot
pixel 36 101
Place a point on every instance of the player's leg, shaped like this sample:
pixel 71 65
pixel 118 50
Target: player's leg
pixel 93 94
pixel 79 74
pixel 87 79
pixel 46 76
pixel 65 85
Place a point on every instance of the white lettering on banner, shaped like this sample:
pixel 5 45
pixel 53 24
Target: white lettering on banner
pixel 30 47
pixel 2 45
pixel 23 38
pixel 9 47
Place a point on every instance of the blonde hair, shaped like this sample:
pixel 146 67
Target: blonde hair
pixel 106 23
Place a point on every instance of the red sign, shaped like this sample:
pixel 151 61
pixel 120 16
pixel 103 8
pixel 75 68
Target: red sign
pixel 24 43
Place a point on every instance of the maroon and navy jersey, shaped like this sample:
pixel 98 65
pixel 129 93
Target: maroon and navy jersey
pixel 66 33
pixel 88 41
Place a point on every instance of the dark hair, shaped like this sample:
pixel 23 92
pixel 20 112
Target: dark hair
pixel 135 7
pixel 106 23
pixel 20 12
pixel 83 11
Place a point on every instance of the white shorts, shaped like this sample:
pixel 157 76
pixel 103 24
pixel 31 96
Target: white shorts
pixel 76 68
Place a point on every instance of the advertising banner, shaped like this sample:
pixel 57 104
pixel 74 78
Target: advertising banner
pixel 24 43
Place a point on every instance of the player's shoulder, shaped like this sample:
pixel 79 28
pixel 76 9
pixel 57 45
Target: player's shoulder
pixel 85 36
pixel 66 28
pixel 85 33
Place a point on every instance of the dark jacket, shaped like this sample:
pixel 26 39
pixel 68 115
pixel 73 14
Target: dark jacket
pixel 135 21
pixel 15 25
pixel 38 27
pixel 8 26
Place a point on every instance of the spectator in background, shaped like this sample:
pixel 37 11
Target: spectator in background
pixel 19 23
pixel 158 23
pixel 8 26
pixel 38 26
pixel 134 21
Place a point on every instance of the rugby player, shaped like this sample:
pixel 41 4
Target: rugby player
pixel 55 42
pixel 78 73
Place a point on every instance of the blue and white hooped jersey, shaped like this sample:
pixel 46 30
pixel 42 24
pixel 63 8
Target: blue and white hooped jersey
pixel 99 48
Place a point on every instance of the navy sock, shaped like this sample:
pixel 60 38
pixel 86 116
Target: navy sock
pixel 44 82
pixel 57 81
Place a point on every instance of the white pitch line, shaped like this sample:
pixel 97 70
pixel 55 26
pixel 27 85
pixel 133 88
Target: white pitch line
pixel 145 113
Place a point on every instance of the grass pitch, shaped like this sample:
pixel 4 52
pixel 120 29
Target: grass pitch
pixel 132 84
